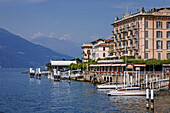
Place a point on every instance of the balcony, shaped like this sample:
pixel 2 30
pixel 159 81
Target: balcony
pixel 115 41
pixel 136 27
pixel 136 48
pixel 131 37
pixel 115 50
pixel 115 32
pixel 119 40
pixel 135 37
pixel 128 37
pixel 123 38
pixel 119 32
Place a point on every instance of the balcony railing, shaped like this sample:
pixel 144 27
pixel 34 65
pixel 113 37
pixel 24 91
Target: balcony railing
pixel 119 40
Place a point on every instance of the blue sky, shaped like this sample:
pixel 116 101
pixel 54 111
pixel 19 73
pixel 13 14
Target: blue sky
pixel 73 20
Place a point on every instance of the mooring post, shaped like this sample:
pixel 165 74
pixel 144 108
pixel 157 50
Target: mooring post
pixel 124 77
pixel 152 99
pixel 131 80
pixel 147 93
pixel 69 74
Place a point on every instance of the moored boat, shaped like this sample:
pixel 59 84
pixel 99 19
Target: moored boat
pixel 109 86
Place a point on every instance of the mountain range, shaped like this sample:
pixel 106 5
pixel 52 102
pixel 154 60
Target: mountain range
pixel 16 52
pixel 60 46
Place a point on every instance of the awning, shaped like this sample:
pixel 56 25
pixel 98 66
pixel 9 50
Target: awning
pixel 140 65
pixel 110 54
pixel 93 65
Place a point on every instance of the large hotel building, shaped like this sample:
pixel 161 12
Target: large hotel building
pixel 145 35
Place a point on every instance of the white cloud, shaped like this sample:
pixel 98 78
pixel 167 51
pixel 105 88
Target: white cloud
pixel 51 35
pixel 94 37
pixel 38 34
pixel 65 37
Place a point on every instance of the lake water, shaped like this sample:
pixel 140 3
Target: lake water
pixel 21 94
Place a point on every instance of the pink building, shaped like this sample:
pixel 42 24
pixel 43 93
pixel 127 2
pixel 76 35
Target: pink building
pixel 145 34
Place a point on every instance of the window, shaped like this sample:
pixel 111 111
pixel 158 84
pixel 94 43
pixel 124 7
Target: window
pixel 167 25
pixel 146 24
pixel 159 44
pixel 131 53
pixel 131 33
pixel 136 43
pixel 120 44
pixel 124 34
pixel 127 25
pixel 146 34
pixel 88 52
pixel 146 56
pixel 136 33
pixel 126 43
pixel 103 48
pixel 115 45
pixel 158 24
pixel 146 44
pixel 159 56
pixel 168 34
pixel 119 35
pixel 103 54
pixel 131 43
pixel 115 36
pixel 137 24
pixel 88 56
pixel 168 44
pixel 158 34
pixel 168 55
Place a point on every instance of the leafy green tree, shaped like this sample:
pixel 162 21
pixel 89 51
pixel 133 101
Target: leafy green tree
pixel 48 65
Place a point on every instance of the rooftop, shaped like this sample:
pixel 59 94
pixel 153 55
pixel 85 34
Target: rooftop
pixel 157 12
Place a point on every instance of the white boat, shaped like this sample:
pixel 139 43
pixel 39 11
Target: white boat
pixel 127 93
pixel 109 86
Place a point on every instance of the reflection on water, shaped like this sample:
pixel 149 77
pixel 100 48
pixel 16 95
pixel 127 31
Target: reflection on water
pixel 21 94
pixel 32 80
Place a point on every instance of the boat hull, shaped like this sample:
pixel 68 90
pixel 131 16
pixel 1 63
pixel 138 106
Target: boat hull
pixel 127 93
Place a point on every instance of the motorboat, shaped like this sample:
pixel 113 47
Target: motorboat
pixel 128 91
pixel 109 86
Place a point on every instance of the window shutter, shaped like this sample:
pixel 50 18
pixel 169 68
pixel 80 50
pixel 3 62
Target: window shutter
pixel 161 44
pixel 161 33
pixel 161 24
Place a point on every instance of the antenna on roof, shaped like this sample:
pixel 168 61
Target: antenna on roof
pixel 127 8
pixel 163 3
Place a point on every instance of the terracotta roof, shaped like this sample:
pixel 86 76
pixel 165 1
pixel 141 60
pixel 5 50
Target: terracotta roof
pixel 106 40
pixel 97 40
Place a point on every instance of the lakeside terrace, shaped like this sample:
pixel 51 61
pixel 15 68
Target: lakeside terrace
pixel 117 70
